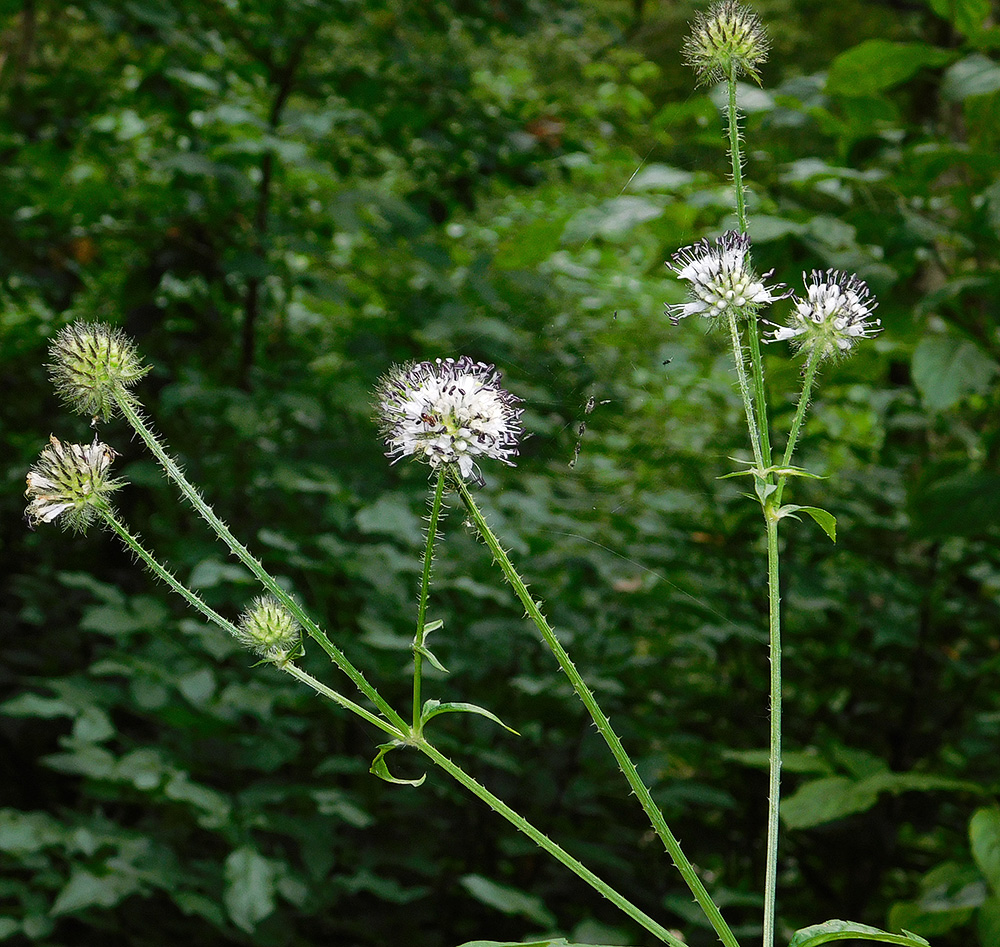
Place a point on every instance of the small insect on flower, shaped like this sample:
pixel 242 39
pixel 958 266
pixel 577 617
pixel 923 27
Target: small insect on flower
pixel 448 412
pixel 835 314
pixel 70 483
pixel 726 42
pixel 721 278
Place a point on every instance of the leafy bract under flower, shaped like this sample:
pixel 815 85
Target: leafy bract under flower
pixel 449 412
pixel 69 482
pixel 721 278
pixel 835 314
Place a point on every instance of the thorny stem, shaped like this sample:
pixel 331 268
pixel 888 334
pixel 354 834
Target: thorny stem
pixel 626 765
pixel 545 843
pixel 129 409
pixel 425 579
pixel 748 406
pixel 196 602
pixel 453 770
pixel 756 362
pixel 809 376
pixel 760 435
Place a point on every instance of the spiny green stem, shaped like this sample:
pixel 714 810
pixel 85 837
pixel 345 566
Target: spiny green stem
pixel 345 702
pixel 756 361
pixel 154 566
pixel 425 580
pixel 196 602
pixel 774 754
pixel 626 765
pixel 800 412
pixel 545 843
pixel 748 406
pixel 173 471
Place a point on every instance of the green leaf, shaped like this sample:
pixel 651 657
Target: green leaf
pixel 988 922
pixel 800 761
pixel 967 16
pixel 826 800
pixel 508 900
pixel 558 942
pixel 972 76
pixel 984 837
pixel 427 653
pixel 434 707
pixel 84 890
pixel 848 930
pixel 250 884
pixel 380 768
pixel 946 368
pixel 877 64
pixel 826 520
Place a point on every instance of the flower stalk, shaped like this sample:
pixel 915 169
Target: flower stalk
pixel 437 505
pixel 684 866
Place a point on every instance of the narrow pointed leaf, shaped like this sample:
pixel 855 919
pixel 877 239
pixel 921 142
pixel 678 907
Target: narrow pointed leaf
pixel 380 768
pixel 434 707
pixel 427 653
pixel 848 930
pixel 433 626
pixel 826 520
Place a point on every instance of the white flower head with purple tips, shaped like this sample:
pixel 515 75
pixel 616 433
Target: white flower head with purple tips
pixel 721 278
pixel 449 411
pixel 835 314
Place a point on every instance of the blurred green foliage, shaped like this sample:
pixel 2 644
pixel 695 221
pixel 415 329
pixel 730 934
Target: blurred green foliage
pixel 278 200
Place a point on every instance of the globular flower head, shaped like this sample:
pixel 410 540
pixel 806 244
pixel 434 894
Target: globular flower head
pixel 835 314
pixel 270 629
pixel 726 42
pixel 721 278
pixel 70 483
pixel 448 412
pixel 93 366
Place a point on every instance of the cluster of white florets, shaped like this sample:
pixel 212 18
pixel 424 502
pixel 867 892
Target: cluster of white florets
pixel 721 278
pixel 835 314
pixel 449 412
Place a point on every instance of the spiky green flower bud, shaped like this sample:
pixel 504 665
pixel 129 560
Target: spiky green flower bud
pixel 70 483
pixel 726 42
pixel 270 629
pixel 93 366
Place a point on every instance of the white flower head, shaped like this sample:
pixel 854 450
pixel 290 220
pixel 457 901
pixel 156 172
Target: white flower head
pixel 68 483
pixel 721 278
pixel 835 314
pixel 448 412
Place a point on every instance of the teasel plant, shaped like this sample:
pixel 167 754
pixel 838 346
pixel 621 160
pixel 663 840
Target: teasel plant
pixel 454 414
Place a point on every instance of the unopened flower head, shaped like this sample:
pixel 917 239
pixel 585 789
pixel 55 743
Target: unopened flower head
pixel 269 628
pixel 721 278
pixel 449 412
pixel 726 42
pixel 835 314
pixel 93 366
pixel 70 483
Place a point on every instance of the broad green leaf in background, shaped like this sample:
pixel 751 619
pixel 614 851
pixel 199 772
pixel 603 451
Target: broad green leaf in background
pixel 878 64
pixel 968 16
pixel 946 368
pixel 974 75
pixel 984 837
pixel 250 887
pixel 507 899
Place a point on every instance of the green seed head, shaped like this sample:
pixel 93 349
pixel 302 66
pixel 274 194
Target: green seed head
pixel 93 366
pixel 70 483
pixel 726 42
pixel 268 628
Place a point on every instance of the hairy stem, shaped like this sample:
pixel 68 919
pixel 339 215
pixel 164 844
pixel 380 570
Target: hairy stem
pixel 626 765
pixel 425 580
pixel 196 602
pixel 774 751
pixel 545 843
pixel 809 377
pixel 191 494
